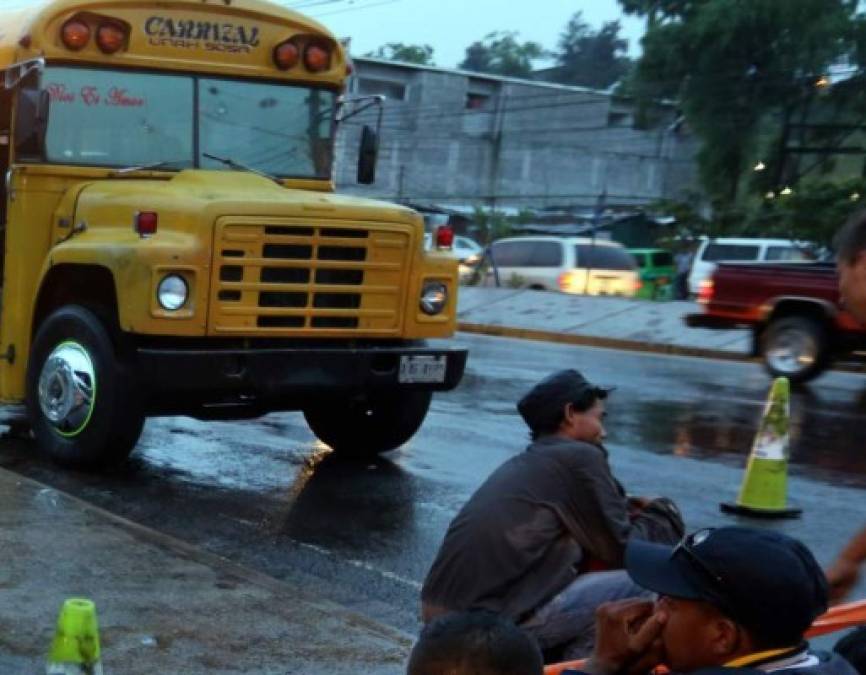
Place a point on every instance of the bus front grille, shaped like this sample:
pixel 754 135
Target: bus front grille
pixel 308 278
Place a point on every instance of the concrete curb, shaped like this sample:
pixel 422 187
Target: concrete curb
pixel 608 343
pixel 628 345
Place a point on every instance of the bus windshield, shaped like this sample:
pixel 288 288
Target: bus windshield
pixel 122 119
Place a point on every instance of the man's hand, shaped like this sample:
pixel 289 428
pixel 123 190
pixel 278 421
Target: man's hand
pixel 842 576
pixel 628 638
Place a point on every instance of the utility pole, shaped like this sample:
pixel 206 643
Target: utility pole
pixel 597 215
pixel 401 178
pixel 496 148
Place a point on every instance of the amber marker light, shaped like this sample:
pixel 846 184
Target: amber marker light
pixel 317 58
pixel 110 37
pixel 286 55
pixel 75 34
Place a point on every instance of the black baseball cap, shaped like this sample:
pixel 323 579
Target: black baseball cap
pixel 766 581
pixel 542 406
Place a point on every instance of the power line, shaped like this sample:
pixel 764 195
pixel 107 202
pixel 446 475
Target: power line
pixel 355 9
pixel 314 3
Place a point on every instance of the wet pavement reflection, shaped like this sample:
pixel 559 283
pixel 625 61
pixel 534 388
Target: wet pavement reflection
pixel 267 494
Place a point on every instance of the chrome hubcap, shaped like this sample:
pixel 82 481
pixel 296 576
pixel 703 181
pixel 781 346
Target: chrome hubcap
pixel 792 351
pixel 67 388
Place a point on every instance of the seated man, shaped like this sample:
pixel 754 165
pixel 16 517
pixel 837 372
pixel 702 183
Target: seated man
pixel 474 643
pixel 532 542
pixel 729 598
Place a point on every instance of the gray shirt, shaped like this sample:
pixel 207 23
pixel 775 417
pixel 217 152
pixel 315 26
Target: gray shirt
pixel 532 526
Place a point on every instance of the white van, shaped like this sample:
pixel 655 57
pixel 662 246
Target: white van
pixel 713 251
pixel 567 264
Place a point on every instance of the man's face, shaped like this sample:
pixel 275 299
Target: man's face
pixel 696 635
pixel 586 426
pixel 852 286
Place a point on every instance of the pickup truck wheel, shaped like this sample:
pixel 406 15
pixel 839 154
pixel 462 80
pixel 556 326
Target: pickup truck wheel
pixel 795 347
pixel 365 428
pixel 80 399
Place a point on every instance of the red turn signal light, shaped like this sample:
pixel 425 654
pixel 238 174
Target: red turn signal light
pixel 286 55
pixel 317 58
pixel 110 37
pixel 146 223
pixel 444 237
pixel 75 34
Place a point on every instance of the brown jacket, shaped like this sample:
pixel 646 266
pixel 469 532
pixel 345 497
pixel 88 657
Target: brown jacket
pixel 530 529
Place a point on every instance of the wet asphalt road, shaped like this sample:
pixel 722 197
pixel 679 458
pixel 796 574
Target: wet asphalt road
pixel 266 494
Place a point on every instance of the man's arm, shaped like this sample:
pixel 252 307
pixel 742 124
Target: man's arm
pixel 598 515
pixel 843 574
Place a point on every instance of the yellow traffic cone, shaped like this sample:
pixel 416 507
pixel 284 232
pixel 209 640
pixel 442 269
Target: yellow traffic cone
pixel 75 648
pixel 764 490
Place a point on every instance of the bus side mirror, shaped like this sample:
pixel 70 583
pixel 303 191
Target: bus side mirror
pixel 31 123
pixel 367 156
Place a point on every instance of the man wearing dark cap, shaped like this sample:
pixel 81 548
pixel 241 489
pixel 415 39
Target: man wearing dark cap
pixel 728 598
pixel 542 540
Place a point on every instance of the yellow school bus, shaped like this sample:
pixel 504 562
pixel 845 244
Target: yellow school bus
pixel 172 243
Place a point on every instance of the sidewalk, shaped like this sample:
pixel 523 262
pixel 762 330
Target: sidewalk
pixel 598 321
pixel 164 606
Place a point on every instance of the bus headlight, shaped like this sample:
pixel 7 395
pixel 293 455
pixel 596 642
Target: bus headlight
pixel 434 297
pixel 172 292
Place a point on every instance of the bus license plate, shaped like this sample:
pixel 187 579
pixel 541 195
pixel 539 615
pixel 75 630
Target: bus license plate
pixel 414 369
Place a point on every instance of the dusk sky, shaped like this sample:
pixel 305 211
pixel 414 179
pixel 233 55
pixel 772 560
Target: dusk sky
pixel 449 26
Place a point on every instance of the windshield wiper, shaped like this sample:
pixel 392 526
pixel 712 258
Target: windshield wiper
pixel 237 166
pixel 145 167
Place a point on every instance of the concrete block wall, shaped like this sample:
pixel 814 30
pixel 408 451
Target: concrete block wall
pixel 465 138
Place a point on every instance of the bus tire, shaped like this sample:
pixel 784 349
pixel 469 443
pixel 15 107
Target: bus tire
pixel 81 398
pixel 365 428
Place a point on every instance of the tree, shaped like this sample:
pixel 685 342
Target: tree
pixel 591 58
pixel 814 212
pixel 501 54
pixel 743 71
pixel 397 51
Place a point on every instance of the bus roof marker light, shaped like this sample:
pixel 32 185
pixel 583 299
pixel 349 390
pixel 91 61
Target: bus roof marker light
pixel 75 34
pixel 286 55
pixel 110 37
pixel 317 58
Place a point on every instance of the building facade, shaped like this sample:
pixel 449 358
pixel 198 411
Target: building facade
pixel 454 138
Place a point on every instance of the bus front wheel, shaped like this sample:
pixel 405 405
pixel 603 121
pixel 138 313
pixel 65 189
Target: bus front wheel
pixel 80 397
pixel 369 426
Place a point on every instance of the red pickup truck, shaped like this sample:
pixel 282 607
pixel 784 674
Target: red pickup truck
pixel 793 310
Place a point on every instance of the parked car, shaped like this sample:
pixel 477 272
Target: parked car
pixel 465 249
pixel 567 264
pixel 793 310
pixel 657 273
pixel 711 252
